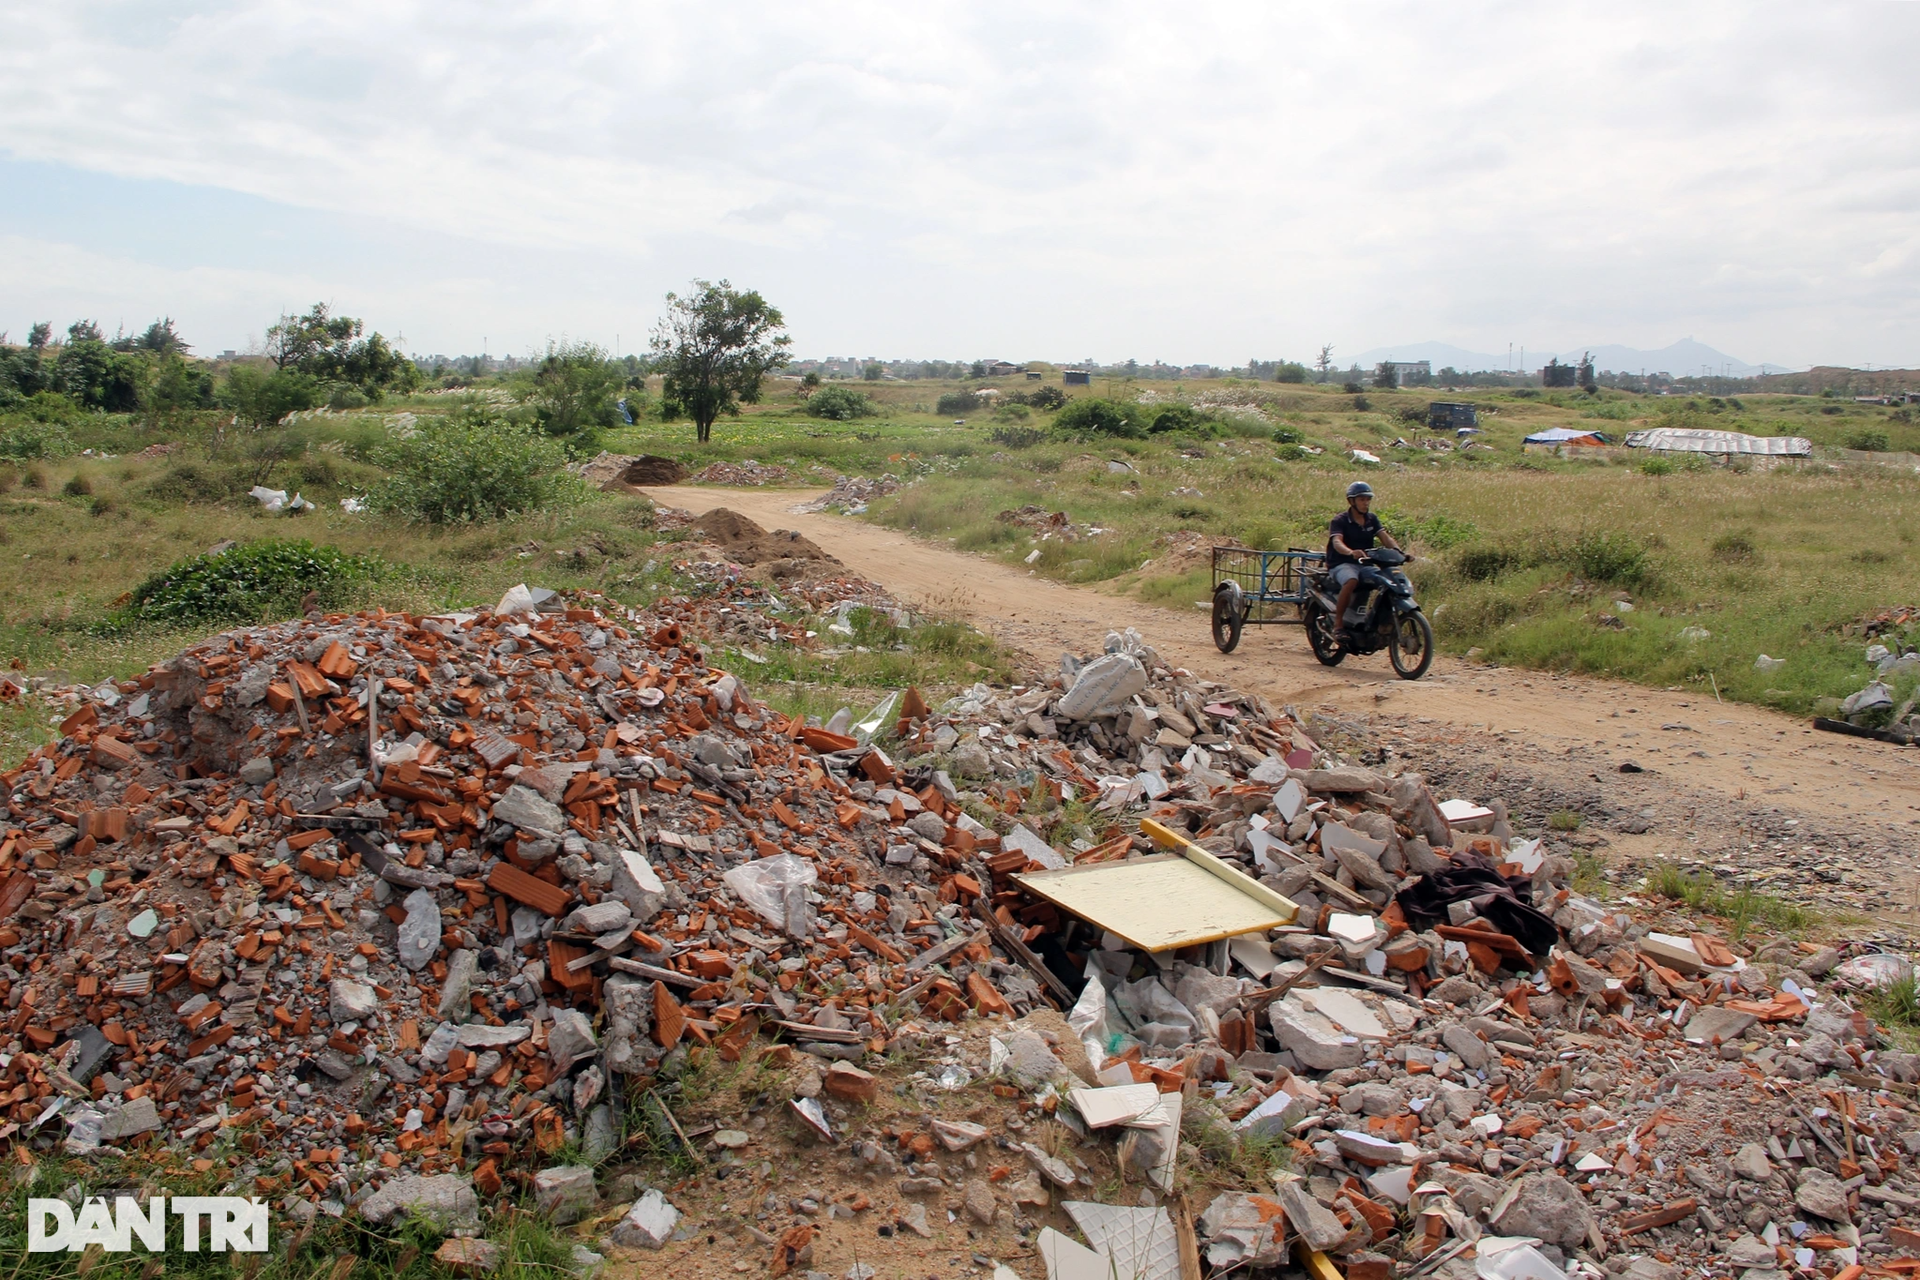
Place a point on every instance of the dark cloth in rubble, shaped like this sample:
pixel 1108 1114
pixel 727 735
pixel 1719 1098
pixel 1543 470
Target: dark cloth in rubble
pixel 1502 901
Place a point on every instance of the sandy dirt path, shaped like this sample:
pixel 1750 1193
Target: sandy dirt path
pixel 1699 755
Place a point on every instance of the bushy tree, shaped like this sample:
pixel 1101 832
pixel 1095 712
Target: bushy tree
pixel 575 394
pixel 841 404
pixel 1384 377
pixel 330 348
pixel 1290 371
pixel 95 376
pixel 956 402
pixel 261 397
pixel 476 465
pixel 874 371
pixel 713 348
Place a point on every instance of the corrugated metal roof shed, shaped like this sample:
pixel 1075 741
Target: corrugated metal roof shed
pixel 1685 440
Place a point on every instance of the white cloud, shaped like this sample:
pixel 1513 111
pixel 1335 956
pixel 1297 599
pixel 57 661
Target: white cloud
pixel 1196 182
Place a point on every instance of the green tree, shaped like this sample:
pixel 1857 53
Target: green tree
pixel 92 374
pixel 809 383
pixel 575 394
pixel 1324 362
pixel 333 348
pixel 1290 371
pixel 161 338
pixel 178 386
pixel 261 397
pixel 39 335
pixel 1384 377
pixel 1588 382
pixel 713 348
pixel 874 371
pixel 841 404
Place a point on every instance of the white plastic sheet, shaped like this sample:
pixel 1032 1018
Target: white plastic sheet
pixel 776 887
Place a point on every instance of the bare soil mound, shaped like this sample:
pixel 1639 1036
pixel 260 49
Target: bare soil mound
pixel 748 544
pixel 626 472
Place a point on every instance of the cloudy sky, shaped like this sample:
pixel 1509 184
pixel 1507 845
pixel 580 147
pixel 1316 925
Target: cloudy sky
pixel 1032 181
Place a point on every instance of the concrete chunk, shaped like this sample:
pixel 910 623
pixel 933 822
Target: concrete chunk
pixel 571 1038
pixel 445 1199
pixel 565 1193
pixel 350 1001
pixel 528 810
pixel 648 1224
pixel 636 884
pixel 1312 1038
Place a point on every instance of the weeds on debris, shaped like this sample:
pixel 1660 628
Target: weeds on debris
pixel 1742 908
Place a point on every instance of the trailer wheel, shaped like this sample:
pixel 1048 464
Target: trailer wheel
pixel 1229 616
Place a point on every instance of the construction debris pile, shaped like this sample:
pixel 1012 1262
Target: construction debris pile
pixel 851 494
pixel 408 904
pixel 747 472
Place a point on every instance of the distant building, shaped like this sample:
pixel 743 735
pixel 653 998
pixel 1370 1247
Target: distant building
pixel 1003 369
pixel 1033 375
pixel 1076 377
pixel 1410 373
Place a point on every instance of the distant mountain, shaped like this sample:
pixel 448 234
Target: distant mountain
pixel 1681 359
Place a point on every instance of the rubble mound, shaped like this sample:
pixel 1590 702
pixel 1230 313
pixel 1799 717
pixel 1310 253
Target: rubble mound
pixel 747 472
pixel 410 904
pixel 746 543
pixel 851 494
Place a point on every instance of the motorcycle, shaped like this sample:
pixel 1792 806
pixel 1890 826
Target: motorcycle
pixel 1383 615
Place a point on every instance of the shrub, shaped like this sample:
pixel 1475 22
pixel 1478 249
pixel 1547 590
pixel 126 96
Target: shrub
pixel 475 466
pixel 1485 563
pixel 1012 413
pixel 841 404
pixel 1614 558
pixel 1352 388
pixel 1734 548
pixel 1288 435
pixel 29 438
pixel 954 403
pixel 1291 452
pixel 1657 467
pixel 248 584
pixel 1091 416
pixel 1047 399
pixel 78 487
pixel 1361 404
pixel 1290 371
pixel 346 396
pixel 8 478
pixel 1177 417
pixel 1867 440
pixel 1017 437
pixel 36 478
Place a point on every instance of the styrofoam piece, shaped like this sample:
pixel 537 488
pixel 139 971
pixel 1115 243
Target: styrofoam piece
pixel 1103 1108
pixel 1253 955
pixel 1463 811
pixel 1344 1009
pixel 1288 799
pixel 1140 1242
pixel 1527 855
pixel 1592 1162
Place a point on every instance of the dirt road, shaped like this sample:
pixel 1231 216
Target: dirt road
pixel 1720 781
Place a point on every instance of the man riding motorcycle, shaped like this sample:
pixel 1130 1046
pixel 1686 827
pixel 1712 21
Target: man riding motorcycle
pixel 1350 536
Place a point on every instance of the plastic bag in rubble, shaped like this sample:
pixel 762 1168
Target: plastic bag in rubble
pixel 776 887
pixel 517 600
pixel 1088 1018
pixel 271 499
pixel 877 719
pixel 1158 1018
pixel 84 1129
pixel 1878 970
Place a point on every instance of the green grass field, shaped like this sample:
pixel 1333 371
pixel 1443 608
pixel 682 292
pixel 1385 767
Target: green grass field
pixel 1525 558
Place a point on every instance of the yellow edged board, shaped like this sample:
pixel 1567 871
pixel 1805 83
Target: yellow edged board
pixel 1164 903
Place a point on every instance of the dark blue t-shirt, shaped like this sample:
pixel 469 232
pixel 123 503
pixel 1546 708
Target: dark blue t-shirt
pixel 1358 534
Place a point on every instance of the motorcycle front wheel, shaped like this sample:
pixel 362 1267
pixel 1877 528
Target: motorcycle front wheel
pixel 1320 636
pixel 1412 645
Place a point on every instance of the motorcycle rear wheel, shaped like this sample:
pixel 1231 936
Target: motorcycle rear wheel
pixel 1320 637
pixel 1412 645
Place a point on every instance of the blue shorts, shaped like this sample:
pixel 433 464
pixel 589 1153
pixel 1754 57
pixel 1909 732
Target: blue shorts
pixel 1345 573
